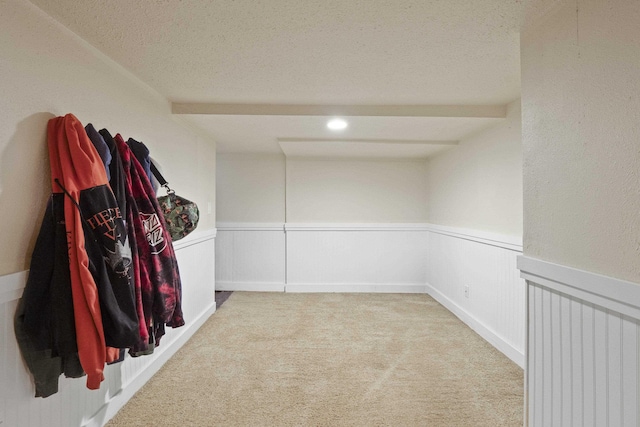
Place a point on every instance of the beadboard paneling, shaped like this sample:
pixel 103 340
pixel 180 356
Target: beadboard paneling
pixel 495 307
pixel 584 357
pixel 351 258
pixel 74 405
pixel 250 257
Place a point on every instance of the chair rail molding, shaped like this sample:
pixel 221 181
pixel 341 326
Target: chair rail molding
pixel 583 347
pixel 611 293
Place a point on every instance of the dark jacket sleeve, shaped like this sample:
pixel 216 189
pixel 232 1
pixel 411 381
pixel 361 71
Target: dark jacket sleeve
pixel 101 147
pixel 48 311
pixel 44 323
pixel 117 179
pixel 36 311
pixel 44 368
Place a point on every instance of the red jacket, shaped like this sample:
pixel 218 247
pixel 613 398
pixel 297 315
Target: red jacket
pixel 159 289
pixel 99 258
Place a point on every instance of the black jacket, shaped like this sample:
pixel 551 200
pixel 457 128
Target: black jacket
pixel 44 322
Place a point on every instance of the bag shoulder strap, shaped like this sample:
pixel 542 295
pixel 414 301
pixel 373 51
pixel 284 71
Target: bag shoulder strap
pixel 163 182
pixel 158 175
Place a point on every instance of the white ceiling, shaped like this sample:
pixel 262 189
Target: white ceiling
pixel 324 52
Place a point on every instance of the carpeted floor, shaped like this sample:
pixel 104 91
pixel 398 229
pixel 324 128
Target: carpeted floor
pixel 278 359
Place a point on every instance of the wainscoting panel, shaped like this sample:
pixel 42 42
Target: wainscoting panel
pixel 494 305
pixel 584 354
pixel 74 405
pixel 250 257
pixel 404 258
pixel 355 258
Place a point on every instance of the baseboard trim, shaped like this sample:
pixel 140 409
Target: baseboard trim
pixel 488 334
pixel 613 294
pixel 111 408
pixel 389 288
pixel 250 286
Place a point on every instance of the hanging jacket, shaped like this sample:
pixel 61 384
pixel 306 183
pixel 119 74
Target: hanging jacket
pixel 160 285
pixel 44 321
pixel 118 184
pixel 141 153
pixel 117 179
pixel 101 147
pixel 48 313
pixel 103 300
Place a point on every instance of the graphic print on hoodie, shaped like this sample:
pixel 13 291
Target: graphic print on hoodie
pixel 99 263
pixel 159 285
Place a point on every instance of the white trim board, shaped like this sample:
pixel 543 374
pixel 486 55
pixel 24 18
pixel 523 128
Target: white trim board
pixel 12 285
pixel 488 334
pixel 614 294
pixel 513 243
pixel 389 288
pixel 250 286
pixel 195 238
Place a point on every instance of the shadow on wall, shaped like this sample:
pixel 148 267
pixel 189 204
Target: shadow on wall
pixel 24 188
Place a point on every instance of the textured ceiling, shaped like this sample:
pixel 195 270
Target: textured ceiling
pixel 246 133
pixel 360 52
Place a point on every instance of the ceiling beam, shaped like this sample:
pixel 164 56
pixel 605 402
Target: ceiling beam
pixel 371 141
pixel 477 111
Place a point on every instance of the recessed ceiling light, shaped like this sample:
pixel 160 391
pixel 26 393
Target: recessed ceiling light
pixel 337 124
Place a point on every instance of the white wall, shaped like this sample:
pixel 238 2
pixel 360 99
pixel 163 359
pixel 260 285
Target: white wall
pixel 356 191
pixel 478 184
pixel 250 188
pixel 475 212
pixel 581 133
pixel 250 247
pixel 250 257
pixel 356 258
pixel 48 71
pixel 357 225
pixel 485 264
pixel 253 252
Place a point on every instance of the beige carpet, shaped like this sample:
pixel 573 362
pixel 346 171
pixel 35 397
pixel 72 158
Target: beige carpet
pixel 276 359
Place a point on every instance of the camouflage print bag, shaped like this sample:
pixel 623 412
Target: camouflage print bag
pixel 180 215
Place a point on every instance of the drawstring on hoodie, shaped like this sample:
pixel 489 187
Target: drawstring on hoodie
pixel 84 221
pixel 64 190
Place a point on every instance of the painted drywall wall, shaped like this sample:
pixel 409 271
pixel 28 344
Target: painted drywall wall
pixel 478 184
pixel 250 188
pixel 355 191
pixel 48 71
pixel 581 134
